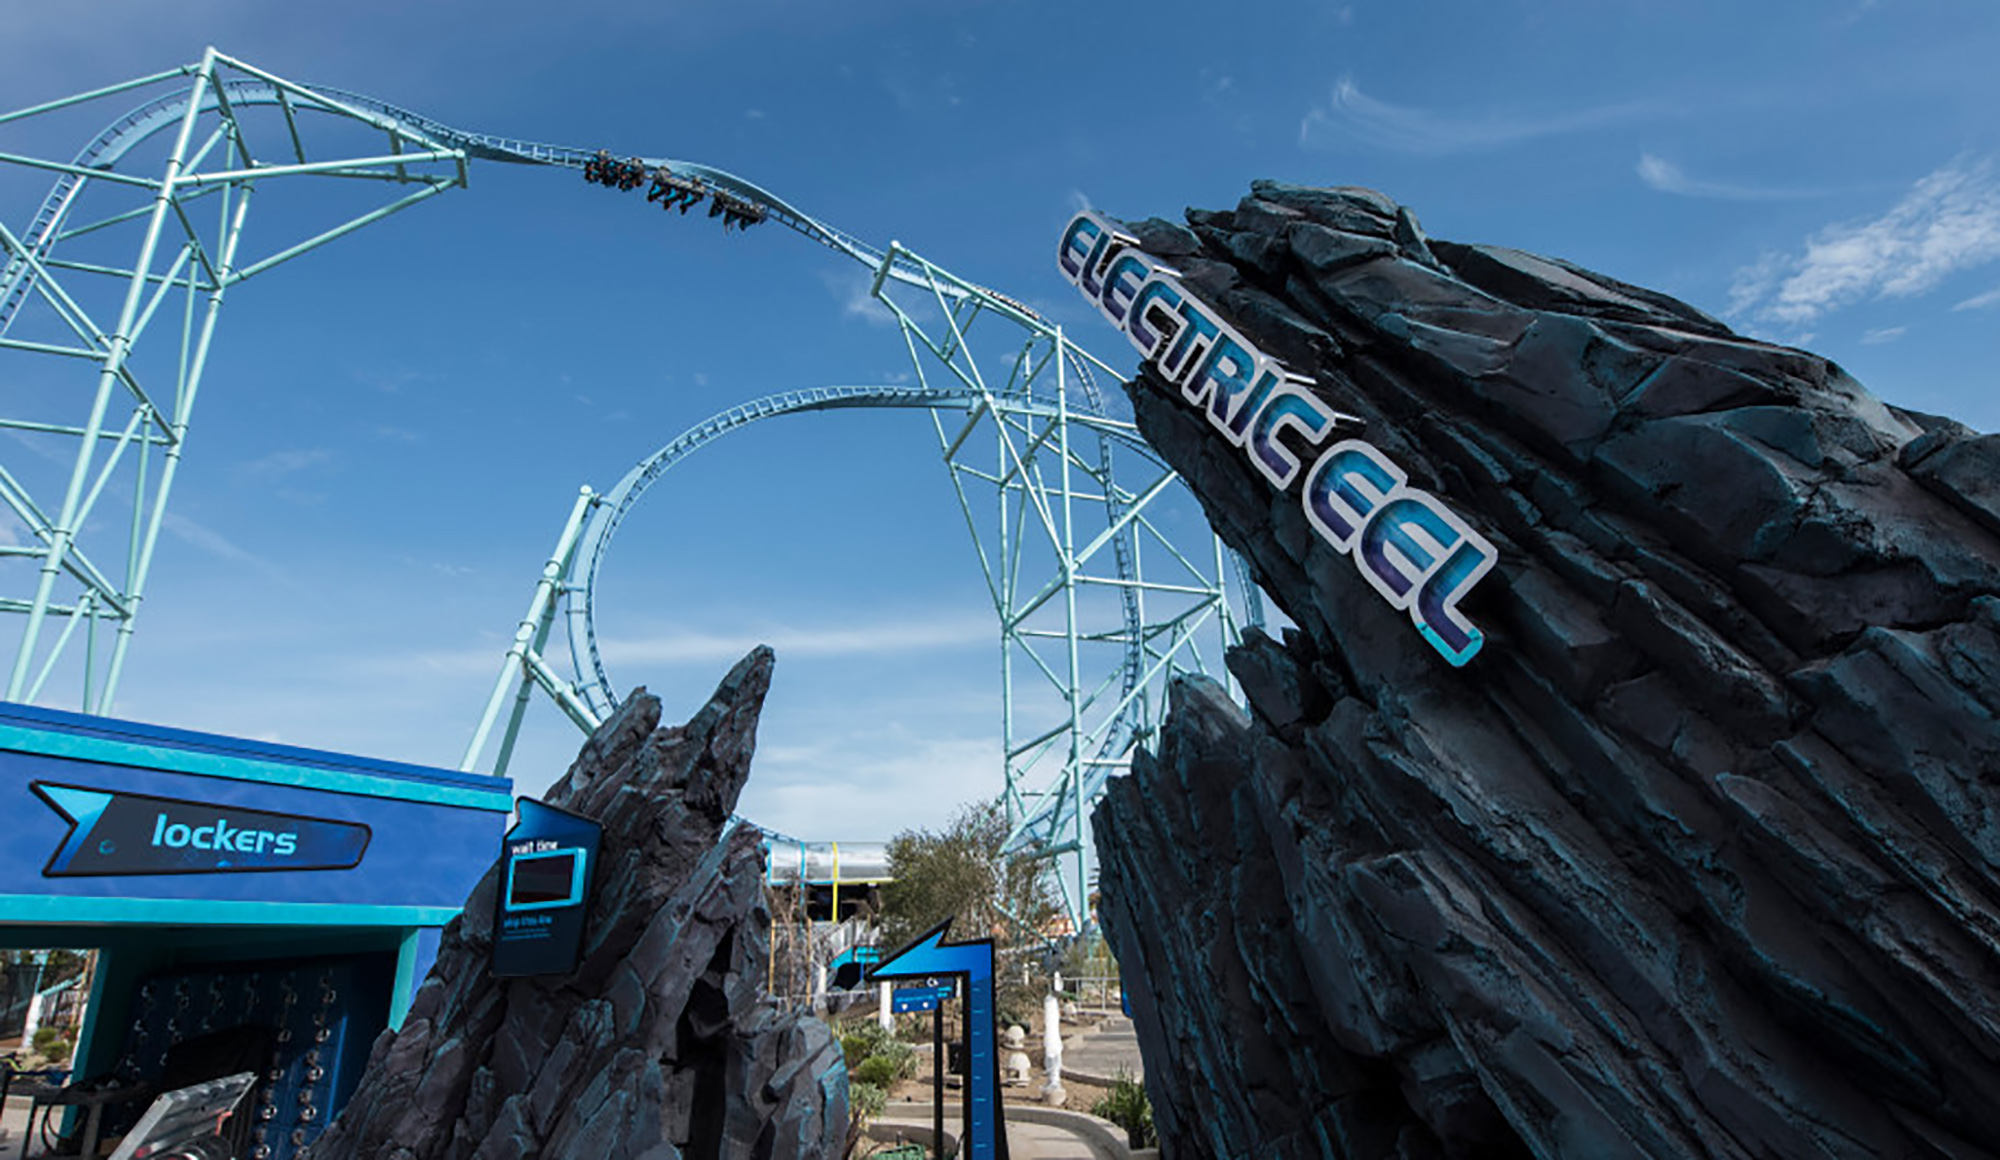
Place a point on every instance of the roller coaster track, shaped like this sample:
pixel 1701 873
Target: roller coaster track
pixel 105 150
pixel 165 112
pixel 1025 414
pixel 611 508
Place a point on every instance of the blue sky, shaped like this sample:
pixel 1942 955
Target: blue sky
pixel 394 427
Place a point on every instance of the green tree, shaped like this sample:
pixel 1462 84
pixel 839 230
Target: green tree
pixel 959 873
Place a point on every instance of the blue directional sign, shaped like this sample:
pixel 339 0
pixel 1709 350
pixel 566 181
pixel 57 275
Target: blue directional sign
pixel 904 1000
pixel 931 956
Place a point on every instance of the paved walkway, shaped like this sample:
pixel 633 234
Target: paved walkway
pixel 1050 1134
pixel 14 1123
pixel 1100 1054
pixel 1047 1142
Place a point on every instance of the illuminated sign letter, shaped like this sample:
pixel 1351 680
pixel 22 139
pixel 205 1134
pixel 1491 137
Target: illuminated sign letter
pixel 1405 543
pixel 1193 342
pixel 1436 611
pixel 1334 504
pixel 1419 535
pixel 1110 243
pixel 1288 406
pixel 1154 320
pixel 1077 242
pixel 1223 380
pixel 1122 279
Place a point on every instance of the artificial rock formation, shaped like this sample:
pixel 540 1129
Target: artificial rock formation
pixel 1700 856
pixel 661 1045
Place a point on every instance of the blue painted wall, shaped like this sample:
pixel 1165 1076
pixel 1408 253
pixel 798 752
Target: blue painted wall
pixel 432 834
pixel 433 831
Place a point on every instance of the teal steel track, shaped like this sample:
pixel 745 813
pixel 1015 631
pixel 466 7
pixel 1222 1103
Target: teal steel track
pixel 1031 505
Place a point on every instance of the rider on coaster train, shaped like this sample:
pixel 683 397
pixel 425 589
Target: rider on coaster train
pixel 671 190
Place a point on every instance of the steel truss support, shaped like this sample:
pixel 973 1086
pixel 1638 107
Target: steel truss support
pixel 1097 604
pixel 136 239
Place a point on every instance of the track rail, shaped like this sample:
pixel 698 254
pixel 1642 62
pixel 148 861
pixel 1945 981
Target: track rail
pixel 165 112
pixel 439 147
pixel 612 508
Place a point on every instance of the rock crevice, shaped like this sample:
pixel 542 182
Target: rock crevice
pixel 661 1044
pixel 1700 855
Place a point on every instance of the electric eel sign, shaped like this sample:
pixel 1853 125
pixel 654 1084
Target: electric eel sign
pixel 1420 556
pixel 128 833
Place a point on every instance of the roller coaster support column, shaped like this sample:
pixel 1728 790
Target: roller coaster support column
pixel 1065 525
pixel 115 348
pixel 525 668
pixel 1073 769
pixel 50 303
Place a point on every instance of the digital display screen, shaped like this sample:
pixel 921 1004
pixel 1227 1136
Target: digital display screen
pixel 543 879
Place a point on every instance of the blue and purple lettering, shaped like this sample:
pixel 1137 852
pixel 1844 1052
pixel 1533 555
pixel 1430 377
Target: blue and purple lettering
pixel 1223 381
pixel 1154 320
pixel 1077 242
pixel 1287 406
pixel 1406 544
pixel 1122 280
pixel 1335 505
pixel 1436 610
pixel 1418 534
pixel 1108 246
pixel 1090 279
pixel 1195 339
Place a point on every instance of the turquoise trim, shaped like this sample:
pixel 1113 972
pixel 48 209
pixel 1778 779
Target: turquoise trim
pixel 93 1012
pixel 71 745
pixel 406 978
pixel 71 910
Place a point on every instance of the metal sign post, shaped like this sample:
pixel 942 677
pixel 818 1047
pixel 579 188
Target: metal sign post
pixel 930 955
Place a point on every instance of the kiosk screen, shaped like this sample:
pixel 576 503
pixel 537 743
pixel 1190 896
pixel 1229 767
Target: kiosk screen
pixel 540 880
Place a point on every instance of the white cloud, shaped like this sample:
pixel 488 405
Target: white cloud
pixel 216 544
pixel 1755 282
pixel 1949 221
pixel 1351 117
pixel 681 647
pixel 868 784
pixel 851 290
pixel 1980 301
pixel 282 463
pixel 14 533
pixel 1883 334
pixel 1665 176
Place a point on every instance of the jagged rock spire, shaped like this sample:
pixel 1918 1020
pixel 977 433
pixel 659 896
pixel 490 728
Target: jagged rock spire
pixel 1699 856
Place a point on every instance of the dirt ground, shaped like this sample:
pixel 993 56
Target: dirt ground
pixel 1081 1097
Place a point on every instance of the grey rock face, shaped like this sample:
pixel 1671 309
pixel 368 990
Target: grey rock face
pixel 661 1045
pixel 1700 856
